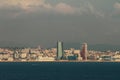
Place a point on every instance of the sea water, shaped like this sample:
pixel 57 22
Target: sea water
pixel 60 71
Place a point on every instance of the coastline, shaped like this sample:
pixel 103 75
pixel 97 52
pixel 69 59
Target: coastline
pixel 59 61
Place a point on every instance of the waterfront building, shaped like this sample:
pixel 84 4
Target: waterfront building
pixel 23 55
pixel 40 58
pixel 84 51
pixel 29 52
pixel 106 58
pixel 16 55
pixel 10 59
pixel 76 51
pixel 72 57
pixel 59 50
pixel 5 56
pixel 33 56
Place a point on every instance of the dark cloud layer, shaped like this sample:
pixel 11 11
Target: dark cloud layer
pixel 46 26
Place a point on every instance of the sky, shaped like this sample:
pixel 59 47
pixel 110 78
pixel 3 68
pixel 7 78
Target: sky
pixel 44 22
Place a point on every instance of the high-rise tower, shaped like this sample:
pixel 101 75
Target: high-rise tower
pixel 59 50
pixel 84 51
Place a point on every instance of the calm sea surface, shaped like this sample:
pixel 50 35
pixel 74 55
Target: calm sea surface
pixel 60 71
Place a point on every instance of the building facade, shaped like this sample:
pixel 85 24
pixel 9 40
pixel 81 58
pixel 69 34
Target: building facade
pixel 84 51
pixel 59 50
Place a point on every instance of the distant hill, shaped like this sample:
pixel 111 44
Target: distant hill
pixel 98 47
pixel 12 44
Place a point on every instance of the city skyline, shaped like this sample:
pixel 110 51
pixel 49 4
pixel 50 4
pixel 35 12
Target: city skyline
pixel 58 54
pixel 46 21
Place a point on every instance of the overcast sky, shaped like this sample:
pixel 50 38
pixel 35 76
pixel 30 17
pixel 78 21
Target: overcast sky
pixel 44 22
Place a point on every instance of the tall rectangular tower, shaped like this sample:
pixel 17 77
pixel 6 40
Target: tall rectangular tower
pixel 84 51
pixel 59 50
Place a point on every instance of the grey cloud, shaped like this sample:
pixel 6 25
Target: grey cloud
pixel 117 8
pixel 32 6
pixel 38 24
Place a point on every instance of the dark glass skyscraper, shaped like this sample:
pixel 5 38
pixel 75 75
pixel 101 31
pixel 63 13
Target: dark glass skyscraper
pixel 59 50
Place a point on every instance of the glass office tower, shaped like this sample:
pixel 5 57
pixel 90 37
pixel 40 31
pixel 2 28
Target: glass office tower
pixel 59 50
